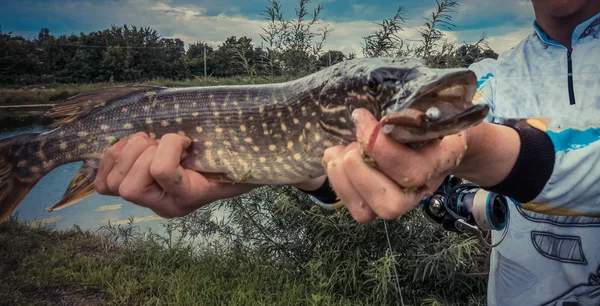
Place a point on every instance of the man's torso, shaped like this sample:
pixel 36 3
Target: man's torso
pixel 546 260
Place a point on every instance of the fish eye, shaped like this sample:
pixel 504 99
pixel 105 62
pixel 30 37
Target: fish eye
pixel 373 86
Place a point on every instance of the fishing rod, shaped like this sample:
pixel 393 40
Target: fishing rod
pixel 463 207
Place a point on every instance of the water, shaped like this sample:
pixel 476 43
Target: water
pixel 90 213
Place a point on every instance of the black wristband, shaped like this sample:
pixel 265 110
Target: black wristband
pixel 533 167
pixel 324 193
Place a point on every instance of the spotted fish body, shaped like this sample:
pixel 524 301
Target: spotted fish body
pixel 263 134
pixel 247 133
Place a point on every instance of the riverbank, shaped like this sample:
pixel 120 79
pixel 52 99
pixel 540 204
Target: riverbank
pixel 52 93
pixel 41 266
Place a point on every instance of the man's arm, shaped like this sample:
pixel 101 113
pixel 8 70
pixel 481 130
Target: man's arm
pixel 554 172
pixel 522 162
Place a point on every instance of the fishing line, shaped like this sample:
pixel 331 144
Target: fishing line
pixel 387 235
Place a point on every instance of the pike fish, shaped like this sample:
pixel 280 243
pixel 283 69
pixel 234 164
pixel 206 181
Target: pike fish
pixel 260 134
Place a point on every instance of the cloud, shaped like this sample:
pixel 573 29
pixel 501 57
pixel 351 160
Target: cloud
pixel 505 42
pixel 179 12
pixel 194 22
pixel 189 24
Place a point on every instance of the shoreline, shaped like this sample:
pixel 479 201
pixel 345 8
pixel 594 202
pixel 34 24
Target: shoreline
pixel 19 116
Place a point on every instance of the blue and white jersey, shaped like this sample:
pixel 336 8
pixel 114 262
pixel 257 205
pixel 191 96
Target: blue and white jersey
pixel 551 254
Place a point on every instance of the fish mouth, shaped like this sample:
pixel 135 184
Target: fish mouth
pixel 442 107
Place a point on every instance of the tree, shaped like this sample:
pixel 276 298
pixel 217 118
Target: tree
pixel 331 57
pixel 293 45
pixel 385 41
pixel 433 47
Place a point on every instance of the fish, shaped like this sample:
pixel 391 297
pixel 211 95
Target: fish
pixel 268 134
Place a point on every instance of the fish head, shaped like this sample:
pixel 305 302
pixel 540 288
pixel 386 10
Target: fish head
pixel 414 103
pixel 433 103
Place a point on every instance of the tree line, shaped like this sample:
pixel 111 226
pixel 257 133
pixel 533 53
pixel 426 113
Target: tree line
pixel 288 47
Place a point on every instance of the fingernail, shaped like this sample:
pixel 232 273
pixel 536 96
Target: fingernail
pixel 355 115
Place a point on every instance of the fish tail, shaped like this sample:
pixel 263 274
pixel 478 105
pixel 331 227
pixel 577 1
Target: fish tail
pixel 18 174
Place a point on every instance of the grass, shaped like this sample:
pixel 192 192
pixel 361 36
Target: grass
pixel 52 93
pixel 49 267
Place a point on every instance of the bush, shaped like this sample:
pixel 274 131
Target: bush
pixel 379 263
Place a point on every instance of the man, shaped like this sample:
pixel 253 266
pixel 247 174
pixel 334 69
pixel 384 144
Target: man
pixel 551 254
pixel 546 258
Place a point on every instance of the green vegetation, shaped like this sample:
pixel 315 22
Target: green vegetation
pixel 55 92
pixel 276 248
pixel 42 267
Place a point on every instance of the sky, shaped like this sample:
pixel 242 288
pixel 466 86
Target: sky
pixel 505 23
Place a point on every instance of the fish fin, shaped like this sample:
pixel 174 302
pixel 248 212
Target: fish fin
pixel 82 104
pixel 81 187
pixel 13 189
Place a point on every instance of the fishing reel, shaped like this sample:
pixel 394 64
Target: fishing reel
pixel 463 207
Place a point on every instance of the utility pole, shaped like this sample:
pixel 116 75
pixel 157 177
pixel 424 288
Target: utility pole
pixel 205 60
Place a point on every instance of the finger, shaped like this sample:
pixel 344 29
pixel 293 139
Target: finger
pixel 330 153
pixel 136 145
pixel 445 154
pixel 166 168
pixel 406 166
pixel 401 164
pixel 200 192
pixel 139 186
pixel 384 197
pixel 106 165
pixel 344 189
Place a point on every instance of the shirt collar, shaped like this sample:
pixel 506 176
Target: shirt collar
pixel 588 27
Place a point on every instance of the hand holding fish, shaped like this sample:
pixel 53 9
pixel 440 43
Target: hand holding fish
pixel 148 172
pixel 403 175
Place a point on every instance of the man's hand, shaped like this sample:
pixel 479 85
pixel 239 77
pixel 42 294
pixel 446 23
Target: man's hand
pixel 148 173
pixel 403 175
